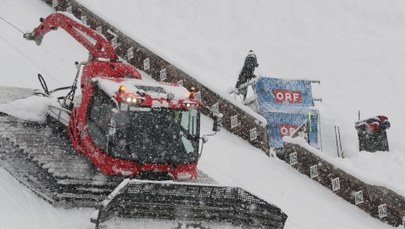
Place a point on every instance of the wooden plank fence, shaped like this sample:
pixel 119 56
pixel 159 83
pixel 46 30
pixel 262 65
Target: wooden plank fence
pixel 379 202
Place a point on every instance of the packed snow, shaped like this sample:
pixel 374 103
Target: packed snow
pixel 353 47
pixel 32 108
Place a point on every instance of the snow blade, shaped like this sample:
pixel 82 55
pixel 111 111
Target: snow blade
pixel 188 202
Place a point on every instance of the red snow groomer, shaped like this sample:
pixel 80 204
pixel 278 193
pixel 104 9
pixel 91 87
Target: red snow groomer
pixel 130 127
pixel 125 126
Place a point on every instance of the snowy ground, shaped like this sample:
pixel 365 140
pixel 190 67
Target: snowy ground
pixel 354 48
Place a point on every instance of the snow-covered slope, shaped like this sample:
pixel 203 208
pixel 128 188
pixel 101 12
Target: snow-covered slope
pixel 352 47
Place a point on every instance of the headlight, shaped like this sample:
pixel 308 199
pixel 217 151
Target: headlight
pixel 190 105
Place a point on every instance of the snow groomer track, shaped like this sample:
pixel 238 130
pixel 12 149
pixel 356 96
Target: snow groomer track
pixel 45 162
pixel 42 159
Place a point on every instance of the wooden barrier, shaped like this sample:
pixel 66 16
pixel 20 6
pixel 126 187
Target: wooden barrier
pixel 379 202
pixel 236 120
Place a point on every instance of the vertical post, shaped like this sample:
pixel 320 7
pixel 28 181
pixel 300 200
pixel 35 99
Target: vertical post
pixel 306 131
pixel 340 143
pixel 320 132
pixel 337 141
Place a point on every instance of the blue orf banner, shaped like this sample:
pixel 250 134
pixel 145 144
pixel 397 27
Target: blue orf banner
pixel 284 124
pixel 292 96
pixel 286 105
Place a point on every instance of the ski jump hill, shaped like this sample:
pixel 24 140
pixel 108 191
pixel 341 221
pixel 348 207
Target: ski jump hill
pixel 379 202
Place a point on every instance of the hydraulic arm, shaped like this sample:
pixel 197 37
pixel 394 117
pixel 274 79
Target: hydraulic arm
pixel 97 44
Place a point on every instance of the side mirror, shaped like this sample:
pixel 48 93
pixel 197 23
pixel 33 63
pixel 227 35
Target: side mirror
pixel 215 127
pixel 217 122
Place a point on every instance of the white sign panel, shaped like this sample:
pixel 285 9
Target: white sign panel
pixel 335 184
pixel 293 158
pixel 382 211
pixel 146 64
pixel 234 121
pixel 215 108
pixel 55 3
pixel 114 42
pixel 69 9
pixel 99 29
pixel 253 134
pixel 84 19
pixel 358 197
pixel 163 74
pixel 313 171
pixel 130 53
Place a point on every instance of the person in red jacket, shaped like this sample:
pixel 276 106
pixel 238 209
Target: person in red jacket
pixel 372 133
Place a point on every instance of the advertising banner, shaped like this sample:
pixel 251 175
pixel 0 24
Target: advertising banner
pixel 286 105
pixel 292 96
pixel 284 124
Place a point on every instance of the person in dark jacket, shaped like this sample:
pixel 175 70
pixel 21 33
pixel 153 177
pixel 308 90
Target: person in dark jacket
pixel 372 133
pixel 247 72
